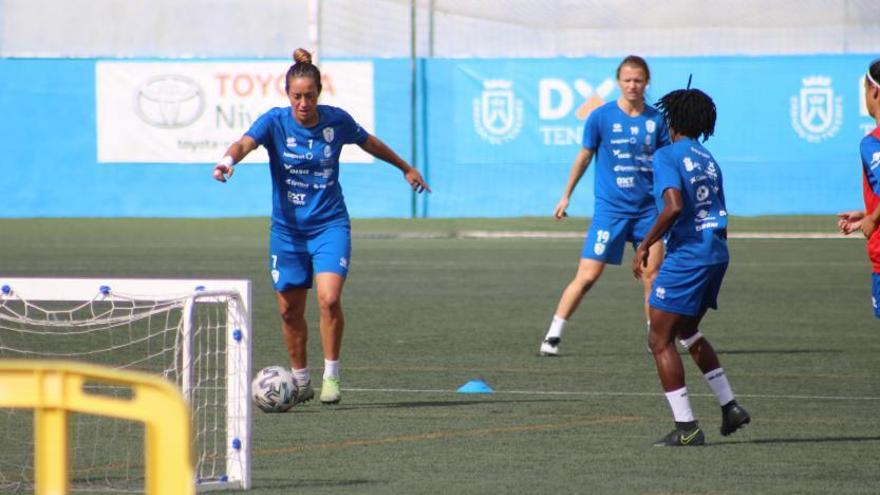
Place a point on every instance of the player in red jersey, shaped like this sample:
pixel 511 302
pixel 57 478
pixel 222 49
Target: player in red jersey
pixel 868 219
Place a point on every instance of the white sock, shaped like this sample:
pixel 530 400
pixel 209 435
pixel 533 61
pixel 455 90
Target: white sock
pixel 557 326
pixel 331 369
pixel 301 377
pixel 717 381
pixel 680 405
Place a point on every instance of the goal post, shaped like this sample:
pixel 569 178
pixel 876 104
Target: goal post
pixel 194 332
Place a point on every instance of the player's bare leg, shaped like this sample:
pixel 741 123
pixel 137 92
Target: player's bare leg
pixel 294 330
pixel 661 339
pixel 329 286
pixel 587 274
pixel 649 274
pixel 733 416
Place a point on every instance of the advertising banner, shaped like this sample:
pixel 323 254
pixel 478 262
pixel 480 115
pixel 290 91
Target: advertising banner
pixel 189 112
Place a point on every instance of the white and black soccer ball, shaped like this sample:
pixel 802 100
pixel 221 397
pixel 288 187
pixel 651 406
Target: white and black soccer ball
pixel 273 389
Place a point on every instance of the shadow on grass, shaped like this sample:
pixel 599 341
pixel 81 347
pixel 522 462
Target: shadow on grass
pixel 779 351
pixel 290 485
pixel 439 403
pixel 773 441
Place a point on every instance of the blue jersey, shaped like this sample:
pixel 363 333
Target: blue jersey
pixel 624 147
pixel 304 163
pixel 699 235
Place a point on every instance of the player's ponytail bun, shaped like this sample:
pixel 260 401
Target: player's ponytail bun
pixel 302 56
pixel 303 67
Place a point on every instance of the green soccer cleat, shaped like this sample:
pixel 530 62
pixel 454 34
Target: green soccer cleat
pixel 682 438
pixel 330 393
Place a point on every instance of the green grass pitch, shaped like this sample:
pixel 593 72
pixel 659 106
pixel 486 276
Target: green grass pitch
pixel 794 331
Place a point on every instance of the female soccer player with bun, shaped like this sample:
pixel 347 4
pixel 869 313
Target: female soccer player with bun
pixel 693 215
pixel 310 236
pixel 623 135
pixel 868 219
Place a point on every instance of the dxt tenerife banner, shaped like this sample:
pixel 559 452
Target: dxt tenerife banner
pixel 786 137
pixel 189 112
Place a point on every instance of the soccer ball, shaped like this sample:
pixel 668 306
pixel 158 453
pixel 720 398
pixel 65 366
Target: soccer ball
pixel 273 389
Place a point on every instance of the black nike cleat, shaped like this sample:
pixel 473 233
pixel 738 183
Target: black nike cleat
pixel 682 438
pixel 733 417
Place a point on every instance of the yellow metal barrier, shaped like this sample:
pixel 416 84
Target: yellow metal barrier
pixel 55 388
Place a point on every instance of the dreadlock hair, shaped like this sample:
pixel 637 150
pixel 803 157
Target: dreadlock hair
pixel 689 112
pixel 302 67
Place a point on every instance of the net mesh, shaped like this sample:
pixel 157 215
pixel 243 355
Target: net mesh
pixel 124 332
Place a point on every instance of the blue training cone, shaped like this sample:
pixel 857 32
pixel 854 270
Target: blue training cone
pixel 475 387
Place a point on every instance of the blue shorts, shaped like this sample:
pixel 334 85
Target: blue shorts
pixel 295 257
pixel 608 235
pixel 687 290
pixel 875 293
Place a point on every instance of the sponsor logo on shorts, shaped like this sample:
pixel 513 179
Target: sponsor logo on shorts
pixel 660 292
pixel 343 262
pixel 276 275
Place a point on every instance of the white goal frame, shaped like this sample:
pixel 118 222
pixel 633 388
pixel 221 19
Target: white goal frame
pixel 237 293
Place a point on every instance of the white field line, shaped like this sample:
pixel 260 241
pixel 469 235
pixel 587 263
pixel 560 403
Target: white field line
pixel 529 234
pixel 542 234
pixel 611 394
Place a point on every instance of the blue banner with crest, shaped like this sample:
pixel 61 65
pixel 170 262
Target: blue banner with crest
pixel 494 137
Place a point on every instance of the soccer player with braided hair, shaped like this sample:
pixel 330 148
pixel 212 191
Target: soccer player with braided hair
pixel 689 190
pixel 310 235
pixel 868 219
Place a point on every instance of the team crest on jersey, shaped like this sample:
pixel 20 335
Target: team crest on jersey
pixel 816 113
pixel 329 134
pixel 650 126
pixel 498 113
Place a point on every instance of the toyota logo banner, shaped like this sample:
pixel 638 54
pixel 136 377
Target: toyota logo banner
pixel 189 112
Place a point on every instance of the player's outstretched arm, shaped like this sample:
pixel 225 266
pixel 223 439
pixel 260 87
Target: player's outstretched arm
pixel 850 221
pixel 380 150
pixel 672 206
pixel 234 154
pixel 581 162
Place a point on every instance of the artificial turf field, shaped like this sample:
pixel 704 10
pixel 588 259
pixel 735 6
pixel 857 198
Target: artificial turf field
pixel 794 332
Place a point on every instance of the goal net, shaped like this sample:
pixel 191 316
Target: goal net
pixel 195 333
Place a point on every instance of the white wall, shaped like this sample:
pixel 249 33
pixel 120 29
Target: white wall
pixel 461 28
